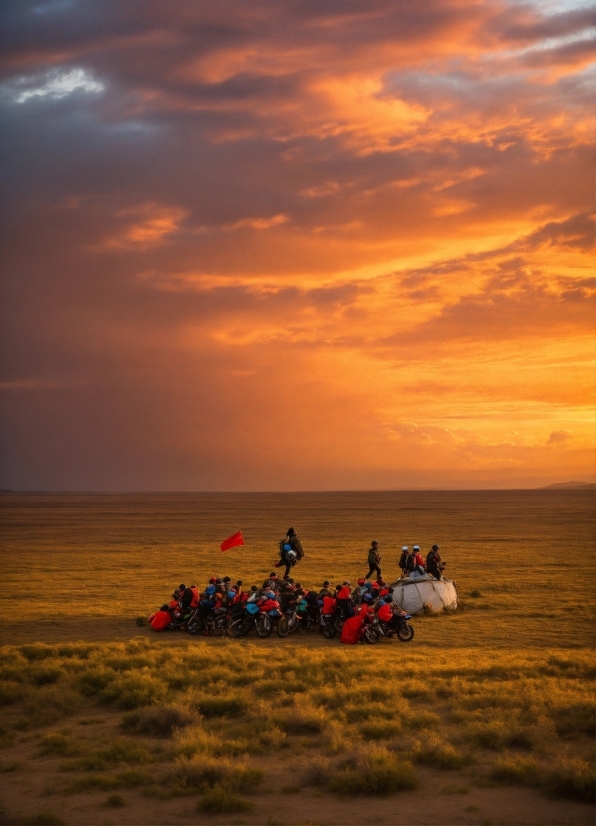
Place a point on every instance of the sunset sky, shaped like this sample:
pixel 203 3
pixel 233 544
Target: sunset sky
pixel 296 244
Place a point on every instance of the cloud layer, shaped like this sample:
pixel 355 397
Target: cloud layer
pixel 279 245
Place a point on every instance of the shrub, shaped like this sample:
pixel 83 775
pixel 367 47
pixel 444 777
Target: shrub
pixel 375 773
pixel 476 593
pixel 158 722
pixel 303 721
pixel 515 770
pixel 115 801
pixel 197 774
pixel 222 706
pixel 47 705
pixel 221 801
pixel 37 652
pixel 121 751
pixel 60 744
pixel 10 692
pixel 375 731
pixel 439 756
pixel 290 789
pixel 573 720
pixel 317 772
pixel 572 779
pixel 132 690
pixel 44 675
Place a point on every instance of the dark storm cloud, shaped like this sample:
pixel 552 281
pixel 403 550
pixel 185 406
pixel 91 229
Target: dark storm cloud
pixel 203 201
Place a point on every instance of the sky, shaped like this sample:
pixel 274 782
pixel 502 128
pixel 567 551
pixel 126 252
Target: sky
pixel 296 244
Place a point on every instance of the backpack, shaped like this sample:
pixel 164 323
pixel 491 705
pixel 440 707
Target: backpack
pixel 410 562
pixel 402 560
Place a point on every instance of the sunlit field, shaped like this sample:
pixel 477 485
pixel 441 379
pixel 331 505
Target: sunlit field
pixel 487 716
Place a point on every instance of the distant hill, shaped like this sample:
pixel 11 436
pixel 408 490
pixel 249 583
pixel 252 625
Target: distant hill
pixel 570 485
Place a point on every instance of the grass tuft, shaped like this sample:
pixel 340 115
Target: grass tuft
pixel 157 722
pixel 439 756
pixel 571 779
pixel 373 772
pixel 220 800
pixel 115 801
pixel 222 706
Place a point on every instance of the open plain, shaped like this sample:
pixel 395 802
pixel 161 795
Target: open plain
pixel 487 716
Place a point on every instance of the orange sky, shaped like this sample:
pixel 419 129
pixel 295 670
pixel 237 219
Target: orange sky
pixel 271 245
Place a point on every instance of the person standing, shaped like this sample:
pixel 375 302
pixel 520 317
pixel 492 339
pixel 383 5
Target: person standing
pixel 374 560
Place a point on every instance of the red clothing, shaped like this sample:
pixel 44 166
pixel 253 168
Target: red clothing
pixel 268 604
pixel 329 605
pixel 350 633
pixel 160 620
pixel 419 561
pixel 385 613
pixel 344 593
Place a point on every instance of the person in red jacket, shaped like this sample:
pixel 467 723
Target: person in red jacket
pixel 161 619
pixel 353 628
pixel 415 563
pixel 384 612
pixel 344 600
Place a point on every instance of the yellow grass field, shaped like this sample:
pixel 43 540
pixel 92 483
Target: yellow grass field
pixel 487 716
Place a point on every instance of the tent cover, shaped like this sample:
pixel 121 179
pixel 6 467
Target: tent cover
pixel 425 593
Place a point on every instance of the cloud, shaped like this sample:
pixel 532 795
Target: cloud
pixel 356 235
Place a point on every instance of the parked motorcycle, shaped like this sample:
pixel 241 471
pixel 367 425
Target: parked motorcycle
pixel 250 619
pixel 211 623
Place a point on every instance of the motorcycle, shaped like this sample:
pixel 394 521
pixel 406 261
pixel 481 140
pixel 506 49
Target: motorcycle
pixel 212 623
pixel 327 625
pixel 250 619
pixel 288 622
pixel 399 626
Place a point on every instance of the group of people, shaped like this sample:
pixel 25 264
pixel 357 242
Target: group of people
pixel 224 600
pixel 411 562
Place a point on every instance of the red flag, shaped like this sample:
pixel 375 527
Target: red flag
pixel 231 541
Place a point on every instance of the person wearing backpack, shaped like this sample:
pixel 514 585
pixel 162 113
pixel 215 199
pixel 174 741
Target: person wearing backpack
pixel 434 566
pixel 290 552
pixel 415 563
pixel 374 560
pixel 402 560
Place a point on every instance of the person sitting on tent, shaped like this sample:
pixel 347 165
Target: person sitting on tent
pixel 415 563
pixel 353 628
pixel 374 560
pixel 402 560
pixel 434 565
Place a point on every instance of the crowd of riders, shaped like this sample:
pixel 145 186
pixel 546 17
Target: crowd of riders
pixel 364 612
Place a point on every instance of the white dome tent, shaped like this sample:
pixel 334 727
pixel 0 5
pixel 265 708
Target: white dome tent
pixel 419 594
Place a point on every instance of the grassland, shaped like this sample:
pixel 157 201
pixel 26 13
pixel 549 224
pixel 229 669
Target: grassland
pixel 487 717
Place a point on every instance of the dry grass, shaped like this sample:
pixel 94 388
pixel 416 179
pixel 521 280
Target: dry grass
pixel 498 696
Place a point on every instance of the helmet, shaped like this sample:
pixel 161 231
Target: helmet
pixel 210 589
pixel 361 581
pixel 416 548
pixel 270 595
pixel 232 594
pixel 213 579
pixel 367 597
pixel 405 548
